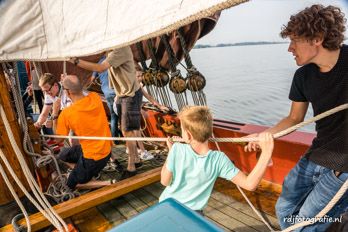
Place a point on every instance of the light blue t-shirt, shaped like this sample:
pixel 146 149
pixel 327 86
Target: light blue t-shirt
pixel 194 175
pixel 104 80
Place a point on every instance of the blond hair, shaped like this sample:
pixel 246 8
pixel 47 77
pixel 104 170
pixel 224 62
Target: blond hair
pixel 198 121
pixel 48 78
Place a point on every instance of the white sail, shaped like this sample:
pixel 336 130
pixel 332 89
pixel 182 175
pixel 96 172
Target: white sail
pixel 58 29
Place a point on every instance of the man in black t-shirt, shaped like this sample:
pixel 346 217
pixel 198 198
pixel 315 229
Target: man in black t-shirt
pixel 316 36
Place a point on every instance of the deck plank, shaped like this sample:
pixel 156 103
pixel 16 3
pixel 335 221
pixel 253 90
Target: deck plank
pixel 111 213
pixel 124 207
pixel 135 202
pixel 264 198
pixel 91 220
pixel 237 215
pixel 147 198
pixel 243 207
pixel 227 221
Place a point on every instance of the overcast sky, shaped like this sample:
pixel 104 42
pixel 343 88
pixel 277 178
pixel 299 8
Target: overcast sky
pixel 260 20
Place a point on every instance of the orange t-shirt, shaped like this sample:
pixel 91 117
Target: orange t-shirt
pixel 86 117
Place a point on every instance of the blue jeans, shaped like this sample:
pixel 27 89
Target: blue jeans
pixel 115 132
pixel 306 191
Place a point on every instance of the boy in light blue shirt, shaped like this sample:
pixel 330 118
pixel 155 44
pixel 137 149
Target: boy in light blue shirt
pixel 191 169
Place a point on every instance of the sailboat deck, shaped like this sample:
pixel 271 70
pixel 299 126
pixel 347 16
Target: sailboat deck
pixel 228 212
pixel 222 210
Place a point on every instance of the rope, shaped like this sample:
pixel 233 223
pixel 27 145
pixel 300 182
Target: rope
pixel 39 160
pixel 152 54
pixel 233 140
pixel 247 199
pixel 139 46
pixel 170 53
pixel 47 209
pixel 188 61
pixel 14 194
pixel 323 212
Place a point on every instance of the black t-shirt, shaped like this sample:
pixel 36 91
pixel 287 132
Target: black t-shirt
pixel 326 91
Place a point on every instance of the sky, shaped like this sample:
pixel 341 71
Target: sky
pixel 260 20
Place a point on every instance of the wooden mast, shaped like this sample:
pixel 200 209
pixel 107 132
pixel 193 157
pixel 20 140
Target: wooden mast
pixel 5 145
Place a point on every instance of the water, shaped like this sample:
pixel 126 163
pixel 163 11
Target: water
pixel 248 84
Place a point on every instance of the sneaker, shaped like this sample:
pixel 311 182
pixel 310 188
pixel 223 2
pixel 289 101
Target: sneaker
pixel 118 166
pixel 51 142
pixel 146 155
pixel 127 151
pixel 126 174
pixel 138 165
pixel 113 166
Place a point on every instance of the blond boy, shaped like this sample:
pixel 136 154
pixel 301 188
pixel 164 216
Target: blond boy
pixel 192 167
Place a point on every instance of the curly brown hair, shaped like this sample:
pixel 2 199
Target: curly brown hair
pixel 317 21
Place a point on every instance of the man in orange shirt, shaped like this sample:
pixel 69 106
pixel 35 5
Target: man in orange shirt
pixel 86 117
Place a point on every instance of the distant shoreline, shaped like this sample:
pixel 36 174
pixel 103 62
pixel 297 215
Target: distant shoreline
pixel 198 46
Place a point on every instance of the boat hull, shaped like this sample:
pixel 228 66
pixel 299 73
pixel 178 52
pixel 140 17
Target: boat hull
pixel 287 150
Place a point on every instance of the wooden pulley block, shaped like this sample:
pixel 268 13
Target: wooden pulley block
pixel 161 79
pixel 148 78
pixel 177 84
pixel 195 81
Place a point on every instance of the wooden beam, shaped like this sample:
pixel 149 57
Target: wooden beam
pixel 5 101
pixel 91 199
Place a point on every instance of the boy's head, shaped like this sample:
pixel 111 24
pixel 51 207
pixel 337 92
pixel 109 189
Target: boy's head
pixel 198 121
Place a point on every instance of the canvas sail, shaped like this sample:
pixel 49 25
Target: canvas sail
pixel 58 29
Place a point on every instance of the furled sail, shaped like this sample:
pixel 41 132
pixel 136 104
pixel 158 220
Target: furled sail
pixel 58 29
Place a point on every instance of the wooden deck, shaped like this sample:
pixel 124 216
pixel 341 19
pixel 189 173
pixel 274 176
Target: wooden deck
pixel 226 207
pixel 223 210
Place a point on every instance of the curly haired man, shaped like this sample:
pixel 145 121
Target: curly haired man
pixel 316 42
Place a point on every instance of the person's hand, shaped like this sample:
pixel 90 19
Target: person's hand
pixel 266 143
pixel 163 108
pixel 170 141
pixel 29 89
pixel 37 125
pixel 89 81
pixel 252 146
pixel 62 76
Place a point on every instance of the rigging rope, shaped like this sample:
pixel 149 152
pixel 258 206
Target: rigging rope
pixel 324 211
pixel 46 209
pixel 233 140
pixel 13 192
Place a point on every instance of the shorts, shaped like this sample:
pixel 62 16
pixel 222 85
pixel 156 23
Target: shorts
pixel 129 111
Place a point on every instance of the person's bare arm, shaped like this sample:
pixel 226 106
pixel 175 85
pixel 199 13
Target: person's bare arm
pixel 251 181
pixel 153 100
pixel 296 115
pixel 166 175
pixel 43 116
pixel 90 65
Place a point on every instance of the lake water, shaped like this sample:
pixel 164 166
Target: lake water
pixel 248 84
